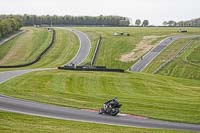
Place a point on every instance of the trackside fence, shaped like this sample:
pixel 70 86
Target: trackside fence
pixel 96 51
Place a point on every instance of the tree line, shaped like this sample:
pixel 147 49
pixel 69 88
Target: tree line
pixel 9 25
pixel 189 23
pixel 192 23
pixel 29 20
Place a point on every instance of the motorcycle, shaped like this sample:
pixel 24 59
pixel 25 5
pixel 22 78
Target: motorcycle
pixel 110 108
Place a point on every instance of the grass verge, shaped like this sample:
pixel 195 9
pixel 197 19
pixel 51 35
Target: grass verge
pixel 165 55
pixel 18 123
pixel 187 65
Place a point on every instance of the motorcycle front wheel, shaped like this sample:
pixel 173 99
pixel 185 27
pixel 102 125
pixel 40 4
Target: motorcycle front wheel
pixel 114 111
pixel 101 111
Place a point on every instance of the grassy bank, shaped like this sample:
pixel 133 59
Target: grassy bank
pixel 18 123
pixel 63 50
pixel 166 54
pixel 123 51
pixel 187 65
pixel 142 94
pixel 25 47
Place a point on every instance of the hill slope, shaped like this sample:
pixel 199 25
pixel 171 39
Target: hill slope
pixel 63 50
pixel 148 95
pixel 25 47
pixel 123 51
pixel 186 65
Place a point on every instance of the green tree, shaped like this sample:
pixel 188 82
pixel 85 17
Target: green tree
pixel 9 24
pixel 138 22
pixel 171 23
pixel 145 23
pixel 165 23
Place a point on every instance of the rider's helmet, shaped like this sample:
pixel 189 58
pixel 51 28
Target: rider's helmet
pixel 115 99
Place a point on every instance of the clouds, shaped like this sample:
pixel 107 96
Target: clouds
pixel 154 10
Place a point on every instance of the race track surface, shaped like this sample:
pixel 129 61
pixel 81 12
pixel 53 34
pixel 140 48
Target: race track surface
pixel 84 48
pixel 148 58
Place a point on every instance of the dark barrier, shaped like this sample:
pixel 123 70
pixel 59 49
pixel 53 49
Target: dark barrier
pixel 96 51
pixel 38 58
pixel 90 68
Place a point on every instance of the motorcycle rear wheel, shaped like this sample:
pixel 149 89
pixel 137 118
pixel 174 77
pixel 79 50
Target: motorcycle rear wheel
pixel 114 112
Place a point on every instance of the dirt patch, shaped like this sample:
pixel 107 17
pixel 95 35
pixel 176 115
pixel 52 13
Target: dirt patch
pixel 152 37
pixel 142 47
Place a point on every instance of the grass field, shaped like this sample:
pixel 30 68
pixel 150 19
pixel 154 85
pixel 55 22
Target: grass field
pixel 25 47
pixel 141 94
pixel 166 54
pixel 11 122
pixel 193 53
pixel 187 65
pixel 123 51
pixel 63 50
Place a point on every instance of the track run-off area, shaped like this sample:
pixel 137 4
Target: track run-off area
pixel 51 111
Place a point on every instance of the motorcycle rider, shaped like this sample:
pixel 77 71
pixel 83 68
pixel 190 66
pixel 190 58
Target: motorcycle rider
pixel 111 103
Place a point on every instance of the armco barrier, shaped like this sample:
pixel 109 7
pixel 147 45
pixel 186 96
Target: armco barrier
pixel 96 51
pixel 91 68
pixel 39 56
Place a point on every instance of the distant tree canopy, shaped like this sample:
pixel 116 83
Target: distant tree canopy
pixel 169 23
pixel 29 20
pixel 193 23
pixel 9 25
pixel 165 23
pixel 189 23
pixel 145 23
pixel 138 22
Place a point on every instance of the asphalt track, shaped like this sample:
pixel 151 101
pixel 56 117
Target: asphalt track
pixel 153 53
pixel 51 111
pixel 84 48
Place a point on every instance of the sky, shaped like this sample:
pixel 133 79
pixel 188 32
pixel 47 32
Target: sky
pixel 156 11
